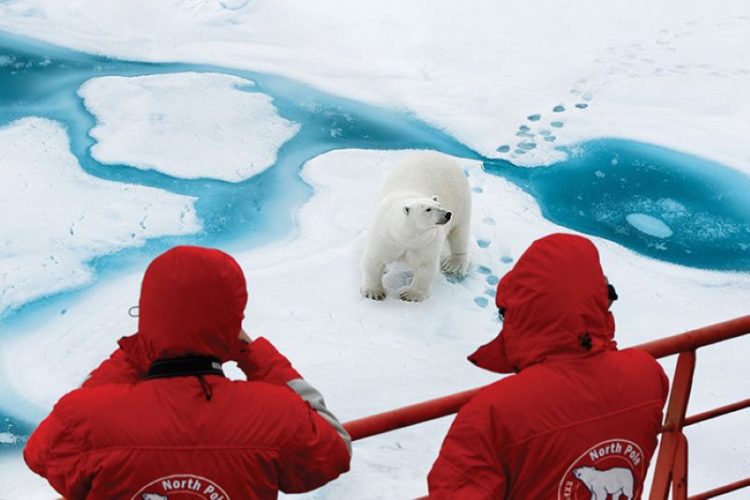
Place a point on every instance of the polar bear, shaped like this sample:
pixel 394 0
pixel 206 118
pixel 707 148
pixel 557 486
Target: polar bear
pixel 425 201
pixel 616 481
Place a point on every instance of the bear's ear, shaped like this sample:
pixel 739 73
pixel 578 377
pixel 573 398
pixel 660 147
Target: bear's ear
pixel 435 198
pixel 406 210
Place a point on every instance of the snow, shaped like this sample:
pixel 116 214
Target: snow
pixel 390 354
pixel 649 225
pixel 8 438
pixel 673 73
pixel 676 76
pixel 188 125
pixel 55 217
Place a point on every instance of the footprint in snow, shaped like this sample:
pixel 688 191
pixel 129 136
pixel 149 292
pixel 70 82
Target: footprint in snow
pixel 484 270
pixel 481 301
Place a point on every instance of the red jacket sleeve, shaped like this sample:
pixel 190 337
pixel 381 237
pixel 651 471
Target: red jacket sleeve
pixel 263 363
pixel 319 452
pixel 468 465
pixel 317 456
pixel 54 452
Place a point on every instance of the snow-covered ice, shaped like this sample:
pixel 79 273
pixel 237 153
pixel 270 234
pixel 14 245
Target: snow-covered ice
pixel 55 217
pixel 187 125
pixel 389 354
pixel 8 438
pixel 670 74
pixel 511 80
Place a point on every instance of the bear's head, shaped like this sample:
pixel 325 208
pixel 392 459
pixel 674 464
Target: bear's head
pixel 425 213
pixel 582 472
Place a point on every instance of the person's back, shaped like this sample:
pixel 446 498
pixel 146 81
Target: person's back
pixel 249 441
pixel 159 419
pixel 580 419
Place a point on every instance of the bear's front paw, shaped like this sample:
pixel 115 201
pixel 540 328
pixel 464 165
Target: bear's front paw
pixel 456 265
pixel 411 295
pixel 373 293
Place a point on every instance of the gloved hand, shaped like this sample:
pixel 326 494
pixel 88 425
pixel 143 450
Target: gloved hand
pixel 260 360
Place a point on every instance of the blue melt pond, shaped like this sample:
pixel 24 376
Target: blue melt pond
pixel 37 79
pixel 659 202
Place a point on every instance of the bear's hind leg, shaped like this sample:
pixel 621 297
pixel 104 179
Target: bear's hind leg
pixel 627 491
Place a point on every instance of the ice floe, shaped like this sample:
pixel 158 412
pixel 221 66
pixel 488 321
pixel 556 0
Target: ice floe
pixel 187 125
pixel 55 217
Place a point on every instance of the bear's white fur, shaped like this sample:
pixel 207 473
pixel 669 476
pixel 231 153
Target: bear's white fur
pixel 602 483
pixel 425 201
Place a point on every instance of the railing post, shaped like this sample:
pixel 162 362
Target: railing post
pixel 680 471
pixel 671 464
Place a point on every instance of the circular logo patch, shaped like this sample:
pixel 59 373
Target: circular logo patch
pixel 609 469
pixel 181 486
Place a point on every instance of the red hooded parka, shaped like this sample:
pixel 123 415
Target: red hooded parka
pixel 579 420
pixel 123 436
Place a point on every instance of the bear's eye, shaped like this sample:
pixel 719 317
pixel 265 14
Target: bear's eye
pixel 428 210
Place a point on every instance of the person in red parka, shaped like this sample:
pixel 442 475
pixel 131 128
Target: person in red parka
pixel 158 419
pixel 579 419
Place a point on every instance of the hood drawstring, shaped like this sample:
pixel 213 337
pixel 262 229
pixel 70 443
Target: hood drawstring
pixel 207 389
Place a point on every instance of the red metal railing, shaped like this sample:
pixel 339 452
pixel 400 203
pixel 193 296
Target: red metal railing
pixel 671 463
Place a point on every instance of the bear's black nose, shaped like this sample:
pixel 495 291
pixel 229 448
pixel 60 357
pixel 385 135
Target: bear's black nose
pixel 448 216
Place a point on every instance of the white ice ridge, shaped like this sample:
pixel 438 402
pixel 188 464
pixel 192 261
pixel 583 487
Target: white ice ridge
pixel 54 217
pixel 188 125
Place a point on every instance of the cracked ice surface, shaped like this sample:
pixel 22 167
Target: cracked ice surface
pixel 55 217
pixel 188 125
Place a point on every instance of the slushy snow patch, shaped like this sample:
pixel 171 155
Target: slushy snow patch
pixel 649 225
pixel 8 438
pixel 55 217
pixel 188 125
